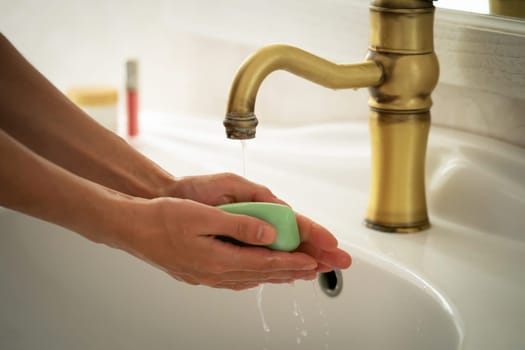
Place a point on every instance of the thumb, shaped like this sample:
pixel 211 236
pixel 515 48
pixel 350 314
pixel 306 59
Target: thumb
pixel 246 229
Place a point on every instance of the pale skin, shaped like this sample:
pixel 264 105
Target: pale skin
pixel 52 168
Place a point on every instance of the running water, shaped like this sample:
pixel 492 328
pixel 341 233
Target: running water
pixel 244 150
pixel 244 157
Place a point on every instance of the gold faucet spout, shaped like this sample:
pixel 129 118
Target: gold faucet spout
pixel 240 121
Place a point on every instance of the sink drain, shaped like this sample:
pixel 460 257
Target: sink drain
pixel 331 283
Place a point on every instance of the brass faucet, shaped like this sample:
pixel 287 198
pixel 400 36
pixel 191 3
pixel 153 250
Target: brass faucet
pixel 400 70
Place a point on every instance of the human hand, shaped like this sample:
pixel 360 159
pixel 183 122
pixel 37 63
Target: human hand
pixel 178 236
pixel 218 189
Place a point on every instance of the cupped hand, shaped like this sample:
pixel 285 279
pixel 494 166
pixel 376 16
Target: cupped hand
pixel 218 189
pixel 179 236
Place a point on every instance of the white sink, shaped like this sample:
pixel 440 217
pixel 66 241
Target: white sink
pixel 61 292
pixel 458 285
pixel 478 184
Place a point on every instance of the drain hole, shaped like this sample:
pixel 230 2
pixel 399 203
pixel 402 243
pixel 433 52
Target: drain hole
pixel 331 283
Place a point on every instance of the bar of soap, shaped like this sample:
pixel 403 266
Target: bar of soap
pixel 281 217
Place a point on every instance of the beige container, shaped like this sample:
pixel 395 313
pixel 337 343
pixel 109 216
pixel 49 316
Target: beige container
pixel 99 102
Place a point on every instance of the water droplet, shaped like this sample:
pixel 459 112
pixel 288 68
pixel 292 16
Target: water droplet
pixel 295 308
pixel 322 314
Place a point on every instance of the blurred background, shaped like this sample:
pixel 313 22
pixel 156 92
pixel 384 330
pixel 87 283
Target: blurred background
pixel 189 51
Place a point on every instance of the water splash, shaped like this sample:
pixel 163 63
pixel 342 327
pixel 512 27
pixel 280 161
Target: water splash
pixel 297 311
pixel 322 314
pixel 261 312
pixel 300 321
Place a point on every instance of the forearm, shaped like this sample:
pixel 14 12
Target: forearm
pixel 35 186
pixel 39 116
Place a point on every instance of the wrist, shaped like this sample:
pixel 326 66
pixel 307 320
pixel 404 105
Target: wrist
pixel 118 219
pixel 153 184
pixel 140 177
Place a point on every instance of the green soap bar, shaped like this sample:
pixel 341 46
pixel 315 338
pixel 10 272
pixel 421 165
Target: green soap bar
pixel 281 217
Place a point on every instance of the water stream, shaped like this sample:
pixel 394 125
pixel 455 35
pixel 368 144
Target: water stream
pixel 300 328
pixel 244 167
pixel 244 150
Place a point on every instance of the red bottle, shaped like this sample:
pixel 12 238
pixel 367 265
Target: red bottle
pixel 132 97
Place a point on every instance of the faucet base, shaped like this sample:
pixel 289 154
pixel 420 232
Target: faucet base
pixel 402 229
pixel 397 200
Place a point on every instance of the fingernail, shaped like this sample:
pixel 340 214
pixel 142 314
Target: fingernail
pixel 311 266
pixel 346 261
pixel 264 235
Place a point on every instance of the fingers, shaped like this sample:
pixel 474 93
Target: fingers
pixel 244 228
pixel 224 265
pixel 242 281
pixel 240 189
pixel 218 257
pixel 324 268
pixel 222 188
pixel 232 258
pixel 315 234
pixel 328 260
pixel 237 286
pixel 241 268
pixel 318 243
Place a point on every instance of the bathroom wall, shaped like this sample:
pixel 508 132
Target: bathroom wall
pixel 482 82
pixel 189 52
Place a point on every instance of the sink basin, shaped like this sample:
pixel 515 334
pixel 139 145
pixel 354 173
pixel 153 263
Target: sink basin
pixel 458 285
pixel 62 292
